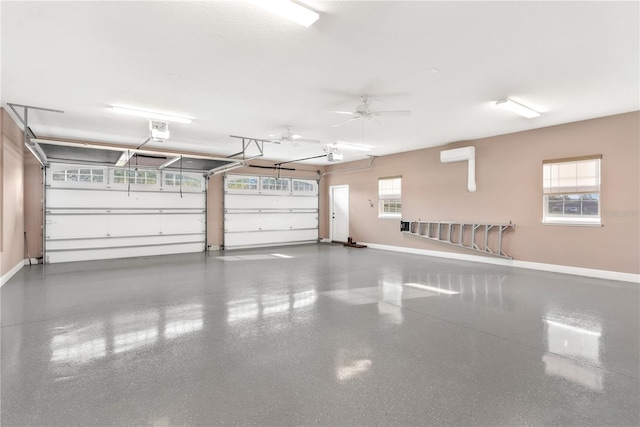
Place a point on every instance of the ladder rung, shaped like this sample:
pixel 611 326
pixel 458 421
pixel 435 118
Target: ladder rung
pixel 444 232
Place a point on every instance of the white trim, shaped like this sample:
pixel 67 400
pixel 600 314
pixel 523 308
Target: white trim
pixel 573 224
pixel 9 274
pixel 554 268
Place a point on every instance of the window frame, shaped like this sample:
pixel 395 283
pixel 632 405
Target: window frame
pixel 241 184
pixel 173 180
pixel 389 198
pixel 274 185
pixel 74 169
pixel 304 187
pixel 574 193
pixel 123 177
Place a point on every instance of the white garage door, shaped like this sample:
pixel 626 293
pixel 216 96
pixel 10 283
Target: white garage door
pixel 98 212
pixel 269 211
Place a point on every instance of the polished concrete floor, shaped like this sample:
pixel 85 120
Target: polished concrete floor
pixel 316 335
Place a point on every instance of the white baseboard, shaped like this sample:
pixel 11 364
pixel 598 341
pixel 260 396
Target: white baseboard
pixel 9 274
pixel 554 268
pixel 325 240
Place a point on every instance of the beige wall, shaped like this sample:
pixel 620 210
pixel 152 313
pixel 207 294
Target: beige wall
pixel 12 195
pixel 509 188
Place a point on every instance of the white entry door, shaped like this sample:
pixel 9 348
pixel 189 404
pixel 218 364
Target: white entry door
pixel 339 206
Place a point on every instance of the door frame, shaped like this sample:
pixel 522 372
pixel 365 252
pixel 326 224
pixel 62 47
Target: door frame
pixel 331 188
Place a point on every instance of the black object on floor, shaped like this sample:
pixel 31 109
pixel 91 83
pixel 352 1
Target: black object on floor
pixel 351 244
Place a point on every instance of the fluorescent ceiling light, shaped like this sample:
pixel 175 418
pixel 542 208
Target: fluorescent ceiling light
pixel 150 115
pixel 289 10
pixel 514 107
pixel 349 146
pixel 124 157
pixel 169 162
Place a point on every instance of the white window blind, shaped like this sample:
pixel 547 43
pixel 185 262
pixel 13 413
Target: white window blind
pixel 573 176
pixel 390 196
pixel 390 188
pixel 571 190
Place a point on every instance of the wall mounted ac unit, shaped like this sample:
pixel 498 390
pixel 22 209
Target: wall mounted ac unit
pixel 464 154
pixel 458 155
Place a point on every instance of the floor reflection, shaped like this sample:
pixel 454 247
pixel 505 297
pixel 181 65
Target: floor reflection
pixel 350 365
pixel 79 345
pixel 476 287
pixel 123 333
pixel 135 330
pixel 484 289
pixel 254 308
pixel 182 320
pixel 567 340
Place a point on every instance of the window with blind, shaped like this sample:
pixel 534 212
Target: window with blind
pixel 389 194
pixel 571 191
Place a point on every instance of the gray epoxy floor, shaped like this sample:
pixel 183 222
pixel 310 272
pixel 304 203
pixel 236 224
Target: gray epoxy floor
pixel 316 335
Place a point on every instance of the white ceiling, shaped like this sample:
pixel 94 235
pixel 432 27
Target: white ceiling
pixel 238 70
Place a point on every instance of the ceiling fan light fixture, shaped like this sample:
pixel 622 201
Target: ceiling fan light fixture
pixel 150 115
pixel 288 10
pixel 517 108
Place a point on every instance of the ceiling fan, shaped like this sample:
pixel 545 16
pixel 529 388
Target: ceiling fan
pixel 364 111
pixel 289 137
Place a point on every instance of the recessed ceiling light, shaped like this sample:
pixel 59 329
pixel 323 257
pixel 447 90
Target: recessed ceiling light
pixel 150 115
pixel 288 10
pixel 517 108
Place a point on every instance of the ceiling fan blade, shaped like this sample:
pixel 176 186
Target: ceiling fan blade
pixel 346 121
pixel 312 141
pixel 274 141
pixel 394 113
pixel 343 112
